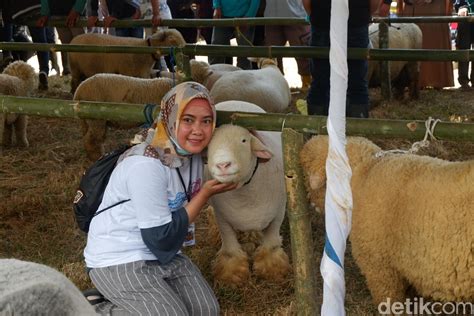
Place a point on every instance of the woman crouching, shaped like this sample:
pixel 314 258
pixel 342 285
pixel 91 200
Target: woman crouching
pixel 133 249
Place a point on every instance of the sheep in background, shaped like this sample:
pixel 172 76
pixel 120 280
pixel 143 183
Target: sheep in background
pixel 85 65
pixel 17 79
pixel 412 220
pixel 254 160
pixel 116 88
pixel 207 74
pixel 265 87
pixel 402 73
pixel 28 288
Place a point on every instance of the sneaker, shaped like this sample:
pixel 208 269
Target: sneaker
pixel 43 81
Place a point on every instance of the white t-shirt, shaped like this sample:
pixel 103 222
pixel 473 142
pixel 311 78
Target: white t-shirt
pixel 155 191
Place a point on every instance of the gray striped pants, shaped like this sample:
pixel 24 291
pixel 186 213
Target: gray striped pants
pixel 148 288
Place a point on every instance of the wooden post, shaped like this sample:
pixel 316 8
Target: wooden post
pixel 385 82
pixel 299 217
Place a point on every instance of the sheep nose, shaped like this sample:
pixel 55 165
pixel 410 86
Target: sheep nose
pixel 223 165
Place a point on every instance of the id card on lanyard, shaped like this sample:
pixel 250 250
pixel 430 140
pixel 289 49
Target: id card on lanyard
pixel 190 239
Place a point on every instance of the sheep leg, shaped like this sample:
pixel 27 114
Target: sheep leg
pixel 94 138
pixel 383 282
pixel 231 264
pixel 413 69
pixel 270 260
pixel 7 132
pixel 20 131
pixel 76 78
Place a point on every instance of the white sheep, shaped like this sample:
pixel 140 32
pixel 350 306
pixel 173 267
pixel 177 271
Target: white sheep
pixel 207 74
pixel 402 73
pixel 254 160
pixel 116 88
pixel 17 79
pixel 28 288
pixel 265 87
pixel 85 65
pixel 412 220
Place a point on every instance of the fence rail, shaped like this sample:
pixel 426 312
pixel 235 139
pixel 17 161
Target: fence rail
pixel 61 22
pixel 261 121
pixel 257 51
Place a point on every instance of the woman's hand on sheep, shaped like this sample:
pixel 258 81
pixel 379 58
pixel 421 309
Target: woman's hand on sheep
pixel 208 189
pixel 214 187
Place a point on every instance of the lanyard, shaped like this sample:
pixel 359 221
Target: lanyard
pixel 187 191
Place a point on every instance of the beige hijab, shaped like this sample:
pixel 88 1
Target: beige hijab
pixel 160 141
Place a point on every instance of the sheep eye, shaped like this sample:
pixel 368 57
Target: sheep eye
pixel 244 140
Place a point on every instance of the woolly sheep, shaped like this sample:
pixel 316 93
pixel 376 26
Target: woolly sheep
pixel 412 221
pixel 17 79
pixel 402 73
pixel 265 87
pixel 207 74
pixel 85 65
pixel 116 88
pixel 28 288
pixel 258 204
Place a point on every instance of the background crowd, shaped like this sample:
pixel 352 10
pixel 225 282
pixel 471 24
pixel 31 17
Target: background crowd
pixel 314 74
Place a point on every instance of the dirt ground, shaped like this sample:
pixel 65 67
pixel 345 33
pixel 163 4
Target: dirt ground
pixel 37 186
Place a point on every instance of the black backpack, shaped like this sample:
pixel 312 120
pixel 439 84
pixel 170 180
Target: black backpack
pixel 92 186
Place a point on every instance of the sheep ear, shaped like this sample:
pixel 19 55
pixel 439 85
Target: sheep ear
pixel 260 150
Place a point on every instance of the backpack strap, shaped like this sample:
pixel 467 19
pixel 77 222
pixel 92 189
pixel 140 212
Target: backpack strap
pixel 109 207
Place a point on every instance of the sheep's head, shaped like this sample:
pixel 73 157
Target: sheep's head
pixel 200 70
pixel 361 153
pixel 23 71
pixel 167 37
pixel 233 153
pixel 313 161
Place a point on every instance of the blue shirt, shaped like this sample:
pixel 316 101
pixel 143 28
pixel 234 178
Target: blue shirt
pixel 237 8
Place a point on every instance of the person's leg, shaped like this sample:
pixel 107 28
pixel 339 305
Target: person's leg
pixel 20 36
pixel 38 34
pixel 220 36
pixel 6 35
pixel 65 36
pixel 274 35
pixel 122 32
pixel 140 288
pixel 357 86
pixel 137 32
pixel 299 35
pixel 245 39
pixel 318 93
pixel 187 281
pixel 463 41
pixel 51 39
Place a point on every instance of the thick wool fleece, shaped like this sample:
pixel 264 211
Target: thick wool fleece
pixel 413 219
